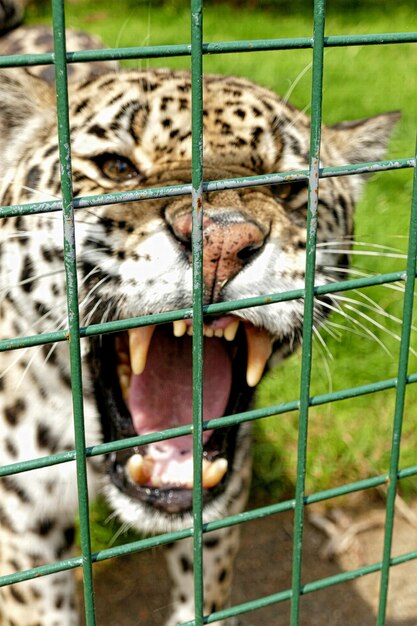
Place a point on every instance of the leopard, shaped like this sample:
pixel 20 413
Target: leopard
pixel 131 130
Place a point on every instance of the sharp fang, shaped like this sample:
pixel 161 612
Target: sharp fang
pixel 180 328
pixel 213 472
pixel 231 330
pixel 139 468
pixel 139 340
pixel 259 350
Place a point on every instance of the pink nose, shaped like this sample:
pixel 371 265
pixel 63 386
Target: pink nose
pixel 229 242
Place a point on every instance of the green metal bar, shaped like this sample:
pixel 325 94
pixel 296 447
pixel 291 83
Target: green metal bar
pixel 216 185
pixel 151 542
pixel 72 299
pixel 221 422
pixel 197 266
pixel 220 47
pixel 212 309
pixel 306 357
pixel 399 403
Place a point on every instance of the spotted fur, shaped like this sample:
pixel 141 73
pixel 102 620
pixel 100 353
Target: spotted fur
pixel 131 130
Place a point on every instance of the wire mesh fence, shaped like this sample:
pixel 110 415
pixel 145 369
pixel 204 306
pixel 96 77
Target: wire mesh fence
pixel 74 334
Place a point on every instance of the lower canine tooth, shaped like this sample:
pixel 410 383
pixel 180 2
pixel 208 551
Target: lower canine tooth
pixel 213 472
pixel 139 468
pixel 259 350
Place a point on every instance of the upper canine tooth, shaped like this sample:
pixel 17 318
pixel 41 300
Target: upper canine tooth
pixel 231 330
pixel 139 341
pixel 259 350
pixel 213 472
pixel 180 328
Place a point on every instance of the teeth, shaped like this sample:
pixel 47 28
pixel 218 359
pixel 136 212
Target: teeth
pixel 139 340
pixel 213 472
pixel 140 468
pixel 180 328
pixel 259 350
pixel 124 373
pixel 231 330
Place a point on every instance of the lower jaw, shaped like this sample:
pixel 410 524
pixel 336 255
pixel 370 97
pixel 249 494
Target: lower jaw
pixel 174 499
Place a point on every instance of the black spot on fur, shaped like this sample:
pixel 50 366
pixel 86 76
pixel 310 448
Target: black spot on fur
pixel 186 565
pixel 26 274
pixel 98 131
pixel 240 113
pixel 10 447
pixel 68 540
pixel 44 527
pixel 5 521
pixel 50 151
pixel 82 105
pixel 13 412
pixel 211 542
pixel 17 595
pixel 222 575
pixel 44 438
pixel 32 177
pixel 59 601
pixel 10 484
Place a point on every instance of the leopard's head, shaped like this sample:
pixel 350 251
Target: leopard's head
pixel 130 131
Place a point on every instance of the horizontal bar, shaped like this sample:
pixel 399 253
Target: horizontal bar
pixel 247 516
pixel 220 422
pixel 17 343
pixel 317 585
pixel 220 47
pixel 230 183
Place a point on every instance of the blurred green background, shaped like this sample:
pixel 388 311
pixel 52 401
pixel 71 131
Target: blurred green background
pixel 348 440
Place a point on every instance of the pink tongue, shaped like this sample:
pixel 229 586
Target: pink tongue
pixel 161 397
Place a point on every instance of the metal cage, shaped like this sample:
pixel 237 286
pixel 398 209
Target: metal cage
pixel 74 334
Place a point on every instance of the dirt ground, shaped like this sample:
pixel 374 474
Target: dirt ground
pixel 135 590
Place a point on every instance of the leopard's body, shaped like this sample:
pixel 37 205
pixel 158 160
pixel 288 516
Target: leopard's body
pixel 131 130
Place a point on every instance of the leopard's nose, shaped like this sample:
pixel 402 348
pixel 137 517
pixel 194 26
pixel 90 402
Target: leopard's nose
pixel 230 241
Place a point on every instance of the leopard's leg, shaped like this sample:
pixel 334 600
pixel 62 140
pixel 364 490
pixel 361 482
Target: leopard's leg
pixel 220 548
pixel 33 534
pixel 219 551
pixel 37 508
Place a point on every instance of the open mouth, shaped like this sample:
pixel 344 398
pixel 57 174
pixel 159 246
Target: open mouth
pixel 144 385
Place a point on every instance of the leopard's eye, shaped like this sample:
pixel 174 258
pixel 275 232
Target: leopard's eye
pixel 287 191
pixel 116 167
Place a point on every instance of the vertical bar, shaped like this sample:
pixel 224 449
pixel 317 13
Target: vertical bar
pixel 399 402
pixel 315 136
pixel 197 248
pixel 72 300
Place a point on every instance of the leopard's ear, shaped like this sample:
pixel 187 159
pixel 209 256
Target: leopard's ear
pixel 364 140
pixel 23 97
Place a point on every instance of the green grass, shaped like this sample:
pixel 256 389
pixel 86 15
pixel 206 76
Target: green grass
pixel 351 439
